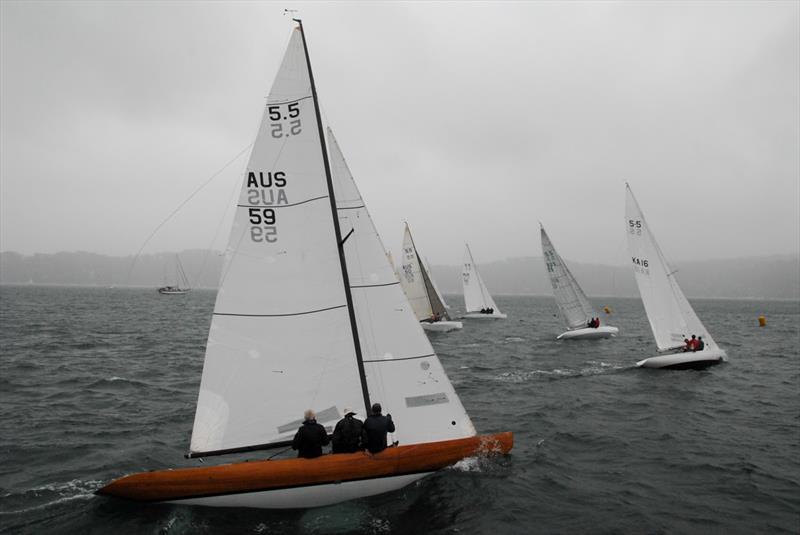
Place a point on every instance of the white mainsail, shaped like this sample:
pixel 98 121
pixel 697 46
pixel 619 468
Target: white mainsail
pixel 417 283
pixel 573 304
pixel 671 316
pixel 280 339
pixel 403 372
pixel 476 295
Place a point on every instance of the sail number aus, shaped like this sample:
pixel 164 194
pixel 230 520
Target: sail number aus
pixel 635 227
pixel 284 120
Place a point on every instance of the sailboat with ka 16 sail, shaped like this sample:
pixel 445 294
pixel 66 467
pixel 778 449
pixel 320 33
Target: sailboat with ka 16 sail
pixel 309 315
pixel 671 317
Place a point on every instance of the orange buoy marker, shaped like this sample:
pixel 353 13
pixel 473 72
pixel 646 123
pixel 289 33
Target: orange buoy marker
pixel 762 321
pixel 607 310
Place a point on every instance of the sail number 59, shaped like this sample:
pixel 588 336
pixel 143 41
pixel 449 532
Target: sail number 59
pixel 263 225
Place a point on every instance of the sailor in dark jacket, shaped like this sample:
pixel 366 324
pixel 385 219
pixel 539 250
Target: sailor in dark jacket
pixel 375 428
pixel 347 434
pixel 310 438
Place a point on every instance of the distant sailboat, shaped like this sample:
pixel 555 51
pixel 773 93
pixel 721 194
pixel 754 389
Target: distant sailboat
pixel 309 315
pixel 574 306
pixel 421 292
pixel 672 318
pixel 181 286
pixel 477 299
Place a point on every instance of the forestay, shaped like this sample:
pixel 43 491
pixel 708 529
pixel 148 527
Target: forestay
pixel 671 316
pixel 280 339
pixel 403 372
pixel 575 308
pixel 417 283
pixel 476 295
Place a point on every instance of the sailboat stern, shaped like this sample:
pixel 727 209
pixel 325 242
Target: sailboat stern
pixel 302 483
pixel 589 333
pixel 689 360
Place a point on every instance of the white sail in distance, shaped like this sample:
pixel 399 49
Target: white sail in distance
pixel 403 372
pixel 417 283
pixel 671 316
pixel 280 339
pixel 574 306
pixel 476 295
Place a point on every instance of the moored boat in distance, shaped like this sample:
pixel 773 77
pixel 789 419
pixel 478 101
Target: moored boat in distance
pixel 182 281
pixel 421 292
pixel 309 315
pixel 573 305
pixel 478 302
pixel 672 319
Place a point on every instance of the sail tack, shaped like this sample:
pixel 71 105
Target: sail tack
pixel 403 372
pixel 280 339
pixel 574 306
pixel 476 295
pixel 671 316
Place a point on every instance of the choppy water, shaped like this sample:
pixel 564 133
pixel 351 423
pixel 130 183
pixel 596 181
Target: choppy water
pixel 97 383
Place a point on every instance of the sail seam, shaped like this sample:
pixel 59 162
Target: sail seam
pixel 280 205
pixel 279 315
pixel 375 285
pixel 402 358
pixel 350 207
pixel 277 102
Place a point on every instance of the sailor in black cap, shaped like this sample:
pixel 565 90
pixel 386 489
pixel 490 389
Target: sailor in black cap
pixel 347 433
pixel 375 428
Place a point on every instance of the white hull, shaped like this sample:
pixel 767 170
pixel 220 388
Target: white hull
pixel 685 360
pixel 479 316
pixel 173 292
pixel 588 333
pixel 441 326
pixel 304 497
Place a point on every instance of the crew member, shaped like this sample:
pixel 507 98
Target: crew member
pixel 310 437
pixel 347 434
pixel 375 428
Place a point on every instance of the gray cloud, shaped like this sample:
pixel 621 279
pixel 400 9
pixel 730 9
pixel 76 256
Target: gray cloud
pixel 471 121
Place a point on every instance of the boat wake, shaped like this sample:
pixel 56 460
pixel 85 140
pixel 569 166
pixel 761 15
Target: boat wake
pixel 593 368
pixel 48 496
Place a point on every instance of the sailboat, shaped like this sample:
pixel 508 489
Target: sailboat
pixel 421 292
pixel 309 315
pixel 671 317
pixel 477 299
pixel 182 282
pixel 574 306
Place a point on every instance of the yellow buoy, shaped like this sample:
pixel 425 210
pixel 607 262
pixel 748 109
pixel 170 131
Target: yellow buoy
pixel 607 310
pixel 762 321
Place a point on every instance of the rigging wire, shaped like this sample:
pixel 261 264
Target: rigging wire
pixel 181 205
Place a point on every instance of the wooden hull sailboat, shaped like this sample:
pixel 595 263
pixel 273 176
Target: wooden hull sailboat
pixel 301 483
pixel 573 305
pixel 672 319
pixel 309 315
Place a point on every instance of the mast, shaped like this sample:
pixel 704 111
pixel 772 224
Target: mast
pixel 337 230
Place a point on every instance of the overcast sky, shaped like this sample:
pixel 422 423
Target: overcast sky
pixel 473 121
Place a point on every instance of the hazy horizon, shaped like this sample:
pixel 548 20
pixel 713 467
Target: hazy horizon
pixel 471 121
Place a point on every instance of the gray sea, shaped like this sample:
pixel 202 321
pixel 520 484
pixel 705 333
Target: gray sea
pixel 97 383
